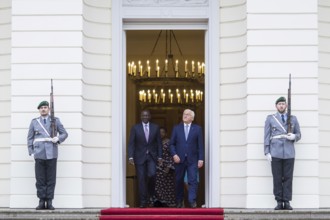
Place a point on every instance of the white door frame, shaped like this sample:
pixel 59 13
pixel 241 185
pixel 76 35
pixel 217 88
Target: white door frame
pixel 210 23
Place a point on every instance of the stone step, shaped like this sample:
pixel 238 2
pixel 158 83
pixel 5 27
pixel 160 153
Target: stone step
pixel 230 214
pixel 57 214
pixel 258 214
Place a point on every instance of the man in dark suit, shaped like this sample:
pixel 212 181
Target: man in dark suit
pixel 187 149
pixel 144 150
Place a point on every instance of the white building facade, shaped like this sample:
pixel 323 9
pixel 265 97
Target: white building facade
pixel 251 46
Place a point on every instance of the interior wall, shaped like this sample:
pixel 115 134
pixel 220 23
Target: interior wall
pixel 324 101
pixel 5 100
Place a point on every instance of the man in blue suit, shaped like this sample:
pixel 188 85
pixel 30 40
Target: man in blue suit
pixel 144 150
pixel 187 149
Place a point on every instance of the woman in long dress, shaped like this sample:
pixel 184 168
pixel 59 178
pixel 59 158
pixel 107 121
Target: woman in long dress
pixel 165 176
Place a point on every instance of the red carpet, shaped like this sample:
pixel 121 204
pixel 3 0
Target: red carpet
pixel 161 213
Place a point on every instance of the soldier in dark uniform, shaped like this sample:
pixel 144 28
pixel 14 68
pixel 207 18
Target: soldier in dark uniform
pixel 45 151
pixel 279 150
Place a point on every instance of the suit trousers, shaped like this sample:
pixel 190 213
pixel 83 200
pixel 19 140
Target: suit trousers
pixel 45 172
pixel 146 174
pixel 192 171
pixel 282 170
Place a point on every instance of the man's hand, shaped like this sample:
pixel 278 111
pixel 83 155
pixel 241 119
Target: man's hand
pixel 160 161
pixel 269 157
pixel 200 163
pixel 176 158
pixel 131 161
pixel 55 140
pixel 291 137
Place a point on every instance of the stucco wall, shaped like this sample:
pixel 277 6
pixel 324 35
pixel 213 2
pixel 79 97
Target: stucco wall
pixel 282 39
pixel 5 103
pixel 233 106
pixel 96 104
pixel 261 42
pixel 324 101
pixel 46 43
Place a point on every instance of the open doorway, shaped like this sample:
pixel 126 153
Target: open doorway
pixel 180 56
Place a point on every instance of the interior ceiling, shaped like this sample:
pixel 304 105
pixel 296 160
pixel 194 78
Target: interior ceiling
pixel 140 44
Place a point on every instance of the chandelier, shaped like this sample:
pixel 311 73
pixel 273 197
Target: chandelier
pixel 171 81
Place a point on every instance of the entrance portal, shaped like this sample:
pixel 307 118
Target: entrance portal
pixel 166 87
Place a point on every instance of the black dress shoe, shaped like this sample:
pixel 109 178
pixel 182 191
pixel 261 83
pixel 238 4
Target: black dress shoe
pixel 41 205
pixel 279 206
pixel 287 206
pixel 192 205
pixel 179 204
pixel 50 205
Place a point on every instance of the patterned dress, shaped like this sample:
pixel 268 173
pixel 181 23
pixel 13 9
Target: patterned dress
pixel 165 179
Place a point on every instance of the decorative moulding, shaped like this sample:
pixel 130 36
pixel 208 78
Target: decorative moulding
pixel 160 3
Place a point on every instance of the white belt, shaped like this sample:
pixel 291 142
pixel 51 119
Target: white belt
pixel 279 136
pixel 41 139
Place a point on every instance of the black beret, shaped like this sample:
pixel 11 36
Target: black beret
pixel 43 103
pixel 280 99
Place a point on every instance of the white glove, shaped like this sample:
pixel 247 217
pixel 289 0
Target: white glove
pixel 291 137
pixel 269 157
pixel 32 155
pixel 55 140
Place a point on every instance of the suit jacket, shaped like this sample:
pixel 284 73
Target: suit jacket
pixel 280 147
pixel 138 145
pixel 44 149
pixel 193 147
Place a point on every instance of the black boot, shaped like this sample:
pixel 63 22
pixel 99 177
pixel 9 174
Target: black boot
pixel 50 204
pixel 41 205
pixel 279 205
pixel 287 205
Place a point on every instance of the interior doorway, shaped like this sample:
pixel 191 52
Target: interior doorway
pixel 180 68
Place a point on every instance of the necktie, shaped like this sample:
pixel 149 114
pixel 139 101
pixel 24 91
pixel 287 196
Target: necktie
pixel 283 120
pixel 44 121
pixel 186 131
pixel 146 132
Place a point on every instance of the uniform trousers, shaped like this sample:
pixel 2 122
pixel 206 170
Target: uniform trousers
pixel 45 172
pixel 282 170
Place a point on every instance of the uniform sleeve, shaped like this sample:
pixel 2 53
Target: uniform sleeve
pixel 30 138
pixel 267 135
pixel 63 134
pixel 296 129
